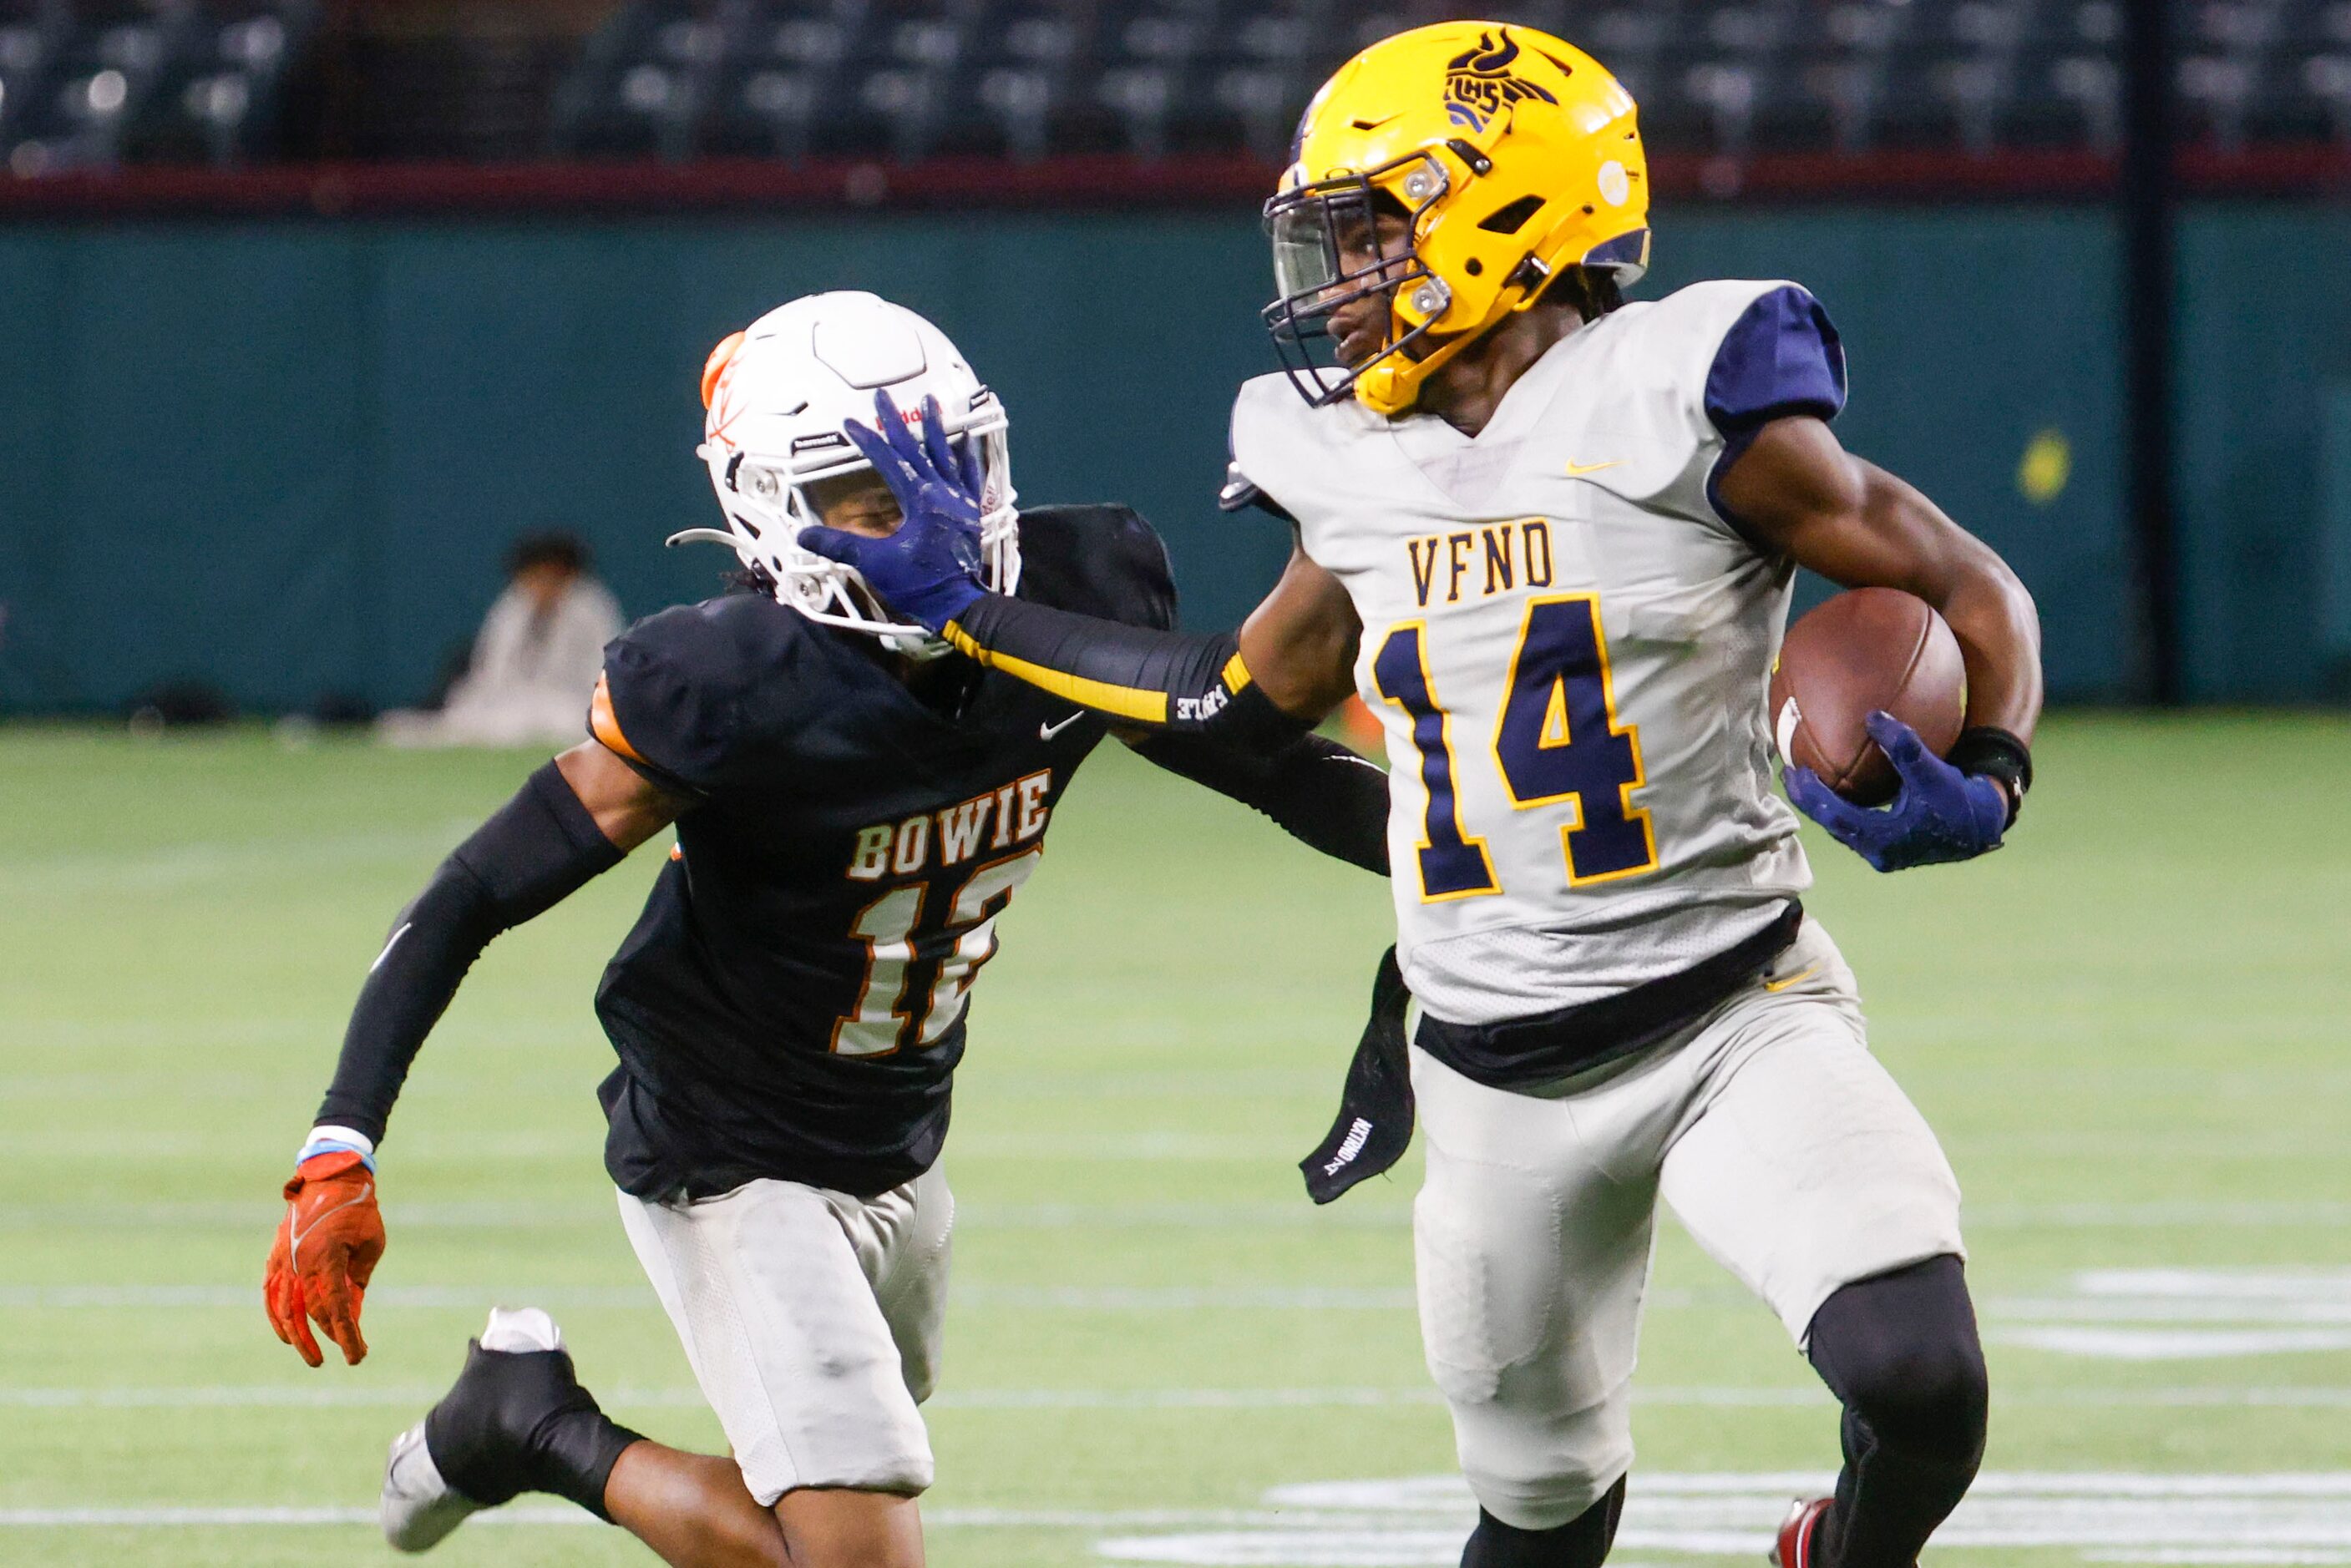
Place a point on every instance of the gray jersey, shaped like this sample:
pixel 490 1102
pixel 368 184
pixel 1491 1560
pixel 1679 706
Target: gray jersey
pixel 1568 646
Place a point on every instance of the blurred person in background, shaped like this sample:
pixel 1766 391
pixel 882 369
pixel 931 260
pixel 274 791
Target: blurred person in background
pixel 535 659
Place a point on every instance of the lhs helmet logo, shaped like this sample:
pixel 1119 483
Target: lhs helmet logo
pixel 1479 84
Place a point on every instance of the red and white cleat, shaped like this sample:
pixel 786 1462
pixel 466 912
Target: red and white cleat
pixel 1800 1534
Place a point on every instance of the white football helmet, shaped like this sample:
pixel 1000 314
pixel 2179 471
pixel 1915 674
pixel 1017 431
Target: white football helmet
pixel 779 393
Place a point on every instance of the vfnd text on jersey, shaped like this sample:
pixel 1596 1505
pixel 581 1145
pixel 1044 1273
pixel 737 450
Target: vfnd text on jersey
pixel 1010 814
pixel 1500 556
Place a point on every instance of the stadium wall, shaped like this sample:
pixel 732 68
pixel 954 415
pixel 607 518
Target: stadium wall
pixel 284 455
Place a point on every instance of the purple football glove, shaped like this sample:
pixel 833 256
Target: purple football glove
pixel 1939 814
pixel 928 570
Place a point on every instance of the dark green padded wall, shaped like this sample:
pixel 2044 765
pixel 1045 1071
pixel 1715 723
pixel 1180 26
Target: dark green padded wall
pixel 1956 365
pixel 286 456
pixel 2266 335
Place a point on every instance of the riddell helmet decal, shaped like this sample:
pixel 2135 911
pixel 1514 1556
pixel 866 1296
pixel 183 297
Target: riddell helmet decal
pixel 1478 83
pixel 725 407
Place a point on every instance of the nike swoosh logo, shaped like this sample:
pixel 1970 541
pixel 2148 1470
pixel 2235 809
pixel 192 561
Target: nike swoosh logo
pixel 1577 470
pixel 1047 732
pixel 295 1235
pixel 1800 976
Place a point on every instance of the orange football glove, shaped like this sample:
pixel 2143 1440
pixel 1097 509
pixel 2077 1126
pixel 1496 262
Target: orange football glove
pixel 327 1246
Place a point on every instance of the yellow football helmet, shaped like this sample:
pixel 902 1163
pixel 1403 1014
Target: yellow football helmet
pixel 1515 155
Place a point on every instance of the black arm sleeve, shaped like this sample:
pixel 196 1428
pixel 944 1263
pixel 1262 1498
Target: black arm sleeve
pixel 1178 681
pixel 1319 791
pixel 533 852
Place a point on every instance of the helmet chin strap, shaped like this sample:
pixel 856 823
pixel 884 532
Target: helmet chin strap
pixel 916 647
pixel 919 649
pixel 1391 384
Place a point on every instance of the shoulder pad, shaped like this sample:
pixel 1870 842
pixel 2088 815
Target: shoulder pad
pixel 673 693
pixel 1780 356
pixel 1100 560
pixel 1276 440
pixel 1238 493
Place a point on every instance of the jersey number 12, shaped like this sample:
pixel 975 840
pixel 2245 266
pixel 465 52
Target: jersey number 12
pixel 1557 740
pixel 892 924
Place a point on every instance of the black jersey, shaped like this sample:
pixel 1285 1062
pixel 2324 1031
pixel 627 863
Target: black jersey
pixel 793 1000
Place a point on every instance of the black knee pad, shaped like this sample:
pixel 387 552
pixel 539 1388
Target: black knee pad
pixel 1581 1542
pixel 1902 1351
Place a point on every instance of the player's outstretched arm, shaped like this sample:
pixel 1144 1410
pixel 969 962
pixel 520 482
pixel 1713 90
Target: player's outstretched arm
pixel 1796 492
pixel 1288 669
pixel 1316 790
pixel 576 817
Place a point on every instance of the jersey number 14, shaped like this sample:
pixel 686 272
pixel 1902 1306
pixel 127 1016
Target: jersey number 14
pixel 1557 740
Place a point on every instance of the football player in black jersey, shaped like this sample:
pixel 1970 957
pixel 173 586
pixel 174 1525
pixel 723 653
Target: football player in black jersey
pixel 855 802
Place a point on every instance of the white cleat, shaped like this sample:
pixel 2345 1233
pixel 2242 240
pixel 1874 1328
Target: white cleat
pixel 419 1508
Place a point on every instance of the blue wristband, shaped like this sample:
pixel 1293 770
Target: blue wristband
pixel 327 1141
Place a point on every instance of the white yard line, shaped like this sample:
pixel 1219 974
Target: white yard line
pixel 417 1397
pixel 2114 1314
pixel 2108 1300
pixel 272 1396
pixel 248 1297
pixel 2263 1520
pixel 1354 1215
pixel 167 1517
pixel 189 864
pixel 2160 1216
pixel 2198 1285
pixel 1073 1298
pixel 2224 1556
pixel 2214 1308
pixel 2129 1517
pixel 2175 1345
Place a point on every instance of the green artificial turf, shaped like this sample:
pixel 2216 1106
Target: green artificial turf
pixel 2132 1028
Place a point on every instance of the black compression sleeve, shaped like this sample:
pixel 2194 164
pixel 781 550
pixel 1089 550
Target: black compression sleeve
pixel 1179 680
pixel 533 852
pixel 1322 794
pixel 1995 753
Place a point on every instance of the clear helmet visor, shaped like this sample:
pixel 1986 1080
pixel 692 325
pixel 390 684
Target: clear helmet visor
pixel 1305 249
pixel 1337 239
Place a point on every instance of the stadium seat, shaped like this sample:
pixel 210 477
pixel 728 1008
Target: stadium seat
pixel 30 36
pixel 1859 31
pixel 1146 58
pixel 1023 61
pixel 2216 95
pixel 785 64
pixel 2069 100
pixel 216 101
pixel 90 81
pixel 2324 81
pixel 88 84
pixel 1252 82
pixel 898 90
pixel 1845 92
pixel 644 80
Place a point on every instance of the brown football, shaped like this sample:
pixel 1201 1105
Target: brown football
pixel 1863 650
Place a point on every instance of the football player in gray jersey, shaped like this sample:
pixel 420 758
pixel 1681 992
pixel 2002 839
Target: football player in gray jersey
pixel 1549 536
